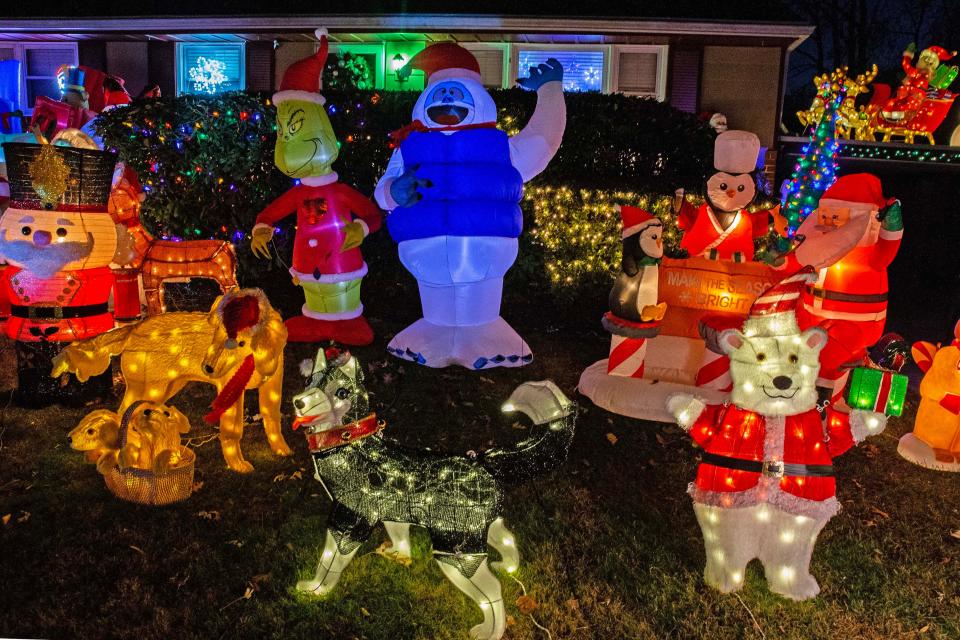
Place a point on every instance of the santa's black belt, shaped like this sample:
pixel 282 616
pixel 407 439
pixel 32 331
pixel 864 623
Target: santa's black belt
pixel 826 294
pixel 770 468
pixel 57 313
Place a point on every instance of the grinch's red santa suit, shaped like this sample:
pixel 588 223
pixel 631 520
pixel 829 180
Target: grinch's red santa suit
pixel 453 187
pixel 721 228
pixel 332 218
pixel 766 486
pixel 851 250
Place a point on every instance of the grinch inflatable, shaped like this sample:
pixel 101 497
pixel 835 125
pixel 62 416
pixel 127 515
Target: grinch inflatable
pixel 332 218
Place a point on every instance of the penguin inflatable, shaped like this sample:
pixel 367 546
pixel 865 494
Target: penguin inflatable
pixel 634 294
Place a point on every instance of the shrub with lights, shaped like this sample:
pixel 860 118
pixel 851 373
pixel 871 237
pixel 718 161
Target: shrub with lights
pixel 206 163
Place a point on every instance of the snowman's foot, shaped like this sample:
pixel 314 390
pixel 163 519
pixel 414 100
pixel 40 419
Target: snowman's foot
pixel 484 346
pixel 352 331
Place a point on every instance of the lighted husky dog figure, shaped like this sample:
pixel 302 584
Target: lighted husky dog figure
pixel 371 479
pixel 765 486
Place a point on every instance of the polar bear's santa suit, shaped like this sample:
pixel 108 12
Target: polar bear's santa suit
pixel 460 237
pixel 765 486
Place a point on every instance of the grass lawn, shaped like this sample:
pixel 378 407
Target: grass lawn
pixel 610 546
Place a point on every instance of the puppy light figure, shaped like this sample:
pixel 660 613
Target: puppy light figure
pixel 765 486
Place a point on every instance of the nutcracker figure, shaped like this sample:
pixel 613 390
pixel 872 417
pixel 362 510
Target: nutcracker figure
pixel 58 241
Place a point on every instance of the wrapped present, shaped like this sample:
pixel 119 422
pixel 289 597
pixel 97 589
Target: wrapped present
pixel 877 390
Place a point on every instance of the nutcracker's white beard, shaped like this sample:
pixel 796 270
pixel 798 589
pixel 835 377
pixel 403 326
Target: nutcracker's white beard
pixel 43 261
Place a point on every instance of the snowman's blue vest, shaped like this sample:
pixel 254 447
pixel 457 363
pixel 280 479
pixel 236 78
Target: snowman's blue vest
pixel 475 192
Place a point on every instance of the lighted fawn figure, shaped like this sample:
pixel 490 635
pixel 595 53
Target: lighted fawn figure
pixel 238 345
pixel 765 486
pixel 457 499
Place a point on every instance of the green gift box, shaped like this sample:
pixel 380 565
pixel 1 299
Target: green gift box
pixel 877 390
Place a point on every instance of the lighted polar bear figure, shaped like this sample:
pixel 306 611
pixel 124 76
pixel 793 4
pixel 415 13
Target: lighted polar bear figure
pixel 765 486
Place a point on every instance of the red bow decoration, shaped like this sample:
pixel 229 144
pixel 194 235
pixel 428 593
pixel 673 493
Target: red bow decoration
pixel 401 134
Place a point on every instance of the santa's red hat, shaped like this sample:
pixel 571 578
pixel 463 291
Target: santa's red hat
pixel 239 313
pixel 635 220
pixel 774 311
pixel 942 53
pixel 445 60
pixel 856 191
pixel 302 79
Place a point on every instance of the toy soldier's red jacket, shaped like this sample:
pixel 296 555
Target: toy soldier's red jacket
pixel 731 432
pixel 70 305
pixel 322 213
pixel 704 236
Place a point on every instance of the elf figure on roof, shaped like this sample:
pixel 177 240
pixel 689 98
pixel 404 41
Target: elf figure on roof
pixel 722 228
pixel 453 186
pixel 332 218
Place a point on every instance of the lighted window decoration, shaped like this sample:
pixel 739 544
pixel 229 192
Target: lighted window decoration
pixel 210 68
pixel 238 345
pixel 457 499
pixel 583 69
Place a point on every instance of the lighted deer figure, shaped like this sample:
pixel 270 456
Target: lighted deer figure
pixel 160 261
pixel 851 123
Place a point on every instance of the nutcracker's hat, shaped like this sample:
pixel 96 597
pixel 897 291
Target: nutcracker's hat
pixel 302 79
pixel 50 177
pixel 774 311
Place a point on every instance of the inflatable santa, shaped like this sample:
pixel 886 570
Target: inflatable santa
pixel 850 240
pixel 332 218
pixel 722 228
pixel 453 186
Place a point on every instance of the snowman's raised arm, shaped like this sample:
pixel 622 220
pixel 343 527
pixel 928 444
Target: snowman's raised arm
pixel 533 148
pixel 382 192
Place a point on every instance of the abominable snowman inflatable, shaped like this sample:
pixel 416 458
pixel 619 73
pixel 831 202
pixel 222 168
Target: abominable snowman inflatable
pixel 765 486
pixel 453 186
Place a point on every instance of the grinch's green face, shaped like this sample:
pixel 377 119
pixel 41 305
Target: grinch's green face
pixel 306 146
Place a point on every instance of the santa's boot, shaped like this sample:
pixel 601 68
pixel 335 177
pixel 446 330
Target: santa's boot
pixel 332 311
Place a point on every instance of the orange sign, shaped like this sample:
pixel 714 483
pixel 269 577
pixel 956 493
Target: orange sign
pixel 696 287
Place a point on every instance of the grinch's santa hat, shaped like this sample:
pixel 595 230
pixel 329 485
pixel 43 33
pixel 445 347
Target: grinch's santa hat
pixel 445 60
pixel 774 311
pixel 635 220
pixel 302 79
pixel 858 192
pixel 736 151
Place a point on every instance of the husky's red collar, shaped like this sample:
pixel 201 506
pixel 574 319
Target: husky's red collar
pixel 342 435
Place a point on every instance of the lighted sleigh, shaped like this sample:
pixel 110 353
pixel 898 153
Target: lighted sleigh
pixel 921 122
pixel 703 297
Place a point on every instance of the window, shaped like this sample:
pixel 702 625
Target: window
pixel 210 68
pixel 640 70
pixel 39 62
pixel 583 68
pixel 493 60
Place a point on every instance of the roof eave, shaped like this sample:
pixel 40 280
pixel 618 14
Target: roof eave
pixel 792 32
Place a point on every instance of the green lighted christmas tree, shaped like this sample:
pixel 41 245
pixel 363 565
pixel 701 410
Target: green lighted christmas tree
pixel 816 170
